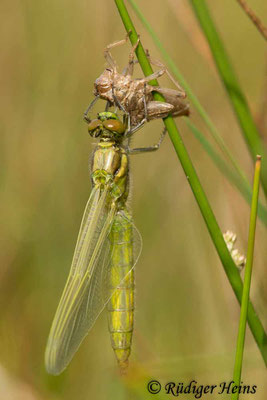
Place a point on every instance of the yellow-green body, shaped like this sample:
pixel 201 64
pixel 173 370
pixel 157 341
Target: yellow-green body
pixel 110 165
pixel 106 251
pixel 121 304
pixel 111 160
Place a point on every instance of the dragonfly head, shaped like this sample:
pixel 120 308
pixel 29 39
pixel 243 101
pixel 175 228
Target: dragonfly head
pixel 103 84
pixel 108 126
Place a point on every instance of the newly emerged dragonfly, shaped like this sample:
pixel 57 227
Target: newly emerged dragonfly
pixel 107 249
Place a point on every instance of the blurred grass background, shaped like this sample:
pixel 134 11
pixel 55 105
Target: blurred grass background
pixel 186 314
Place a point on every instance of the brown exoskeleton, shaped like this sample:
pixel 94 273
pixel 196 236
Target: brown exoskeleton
pixel 134 96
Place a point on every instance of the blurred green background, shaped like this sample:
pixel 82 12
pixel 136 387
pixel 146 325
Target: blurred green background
pixel 186 317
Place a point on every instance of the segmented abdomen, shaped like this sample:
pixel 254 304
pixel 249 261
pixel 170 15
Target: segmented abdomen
pixel 121 304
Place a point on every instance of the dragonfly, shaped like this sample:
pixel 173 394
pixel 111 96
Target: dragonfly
pixel 134 97
pixel 107 249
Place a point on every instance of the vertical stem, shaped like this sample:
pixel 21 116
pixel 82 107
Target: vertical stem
pixel 200 196
pixel 228 76
pixel 213 130
pixel 256 20
pixel 247 280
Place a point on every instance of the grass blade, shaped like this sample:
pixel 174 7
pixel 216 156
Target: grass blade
pixel 233 89
pixel 206 211
pixel 247 279
pixel 239 180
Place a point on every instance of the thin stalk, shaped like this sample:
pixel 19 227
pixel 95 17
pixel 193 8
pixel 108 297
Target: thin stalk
pixel 191 175
pixel 254 18
pixel 228 172
pixel 247 279
pixel 190 93
pixel 233 89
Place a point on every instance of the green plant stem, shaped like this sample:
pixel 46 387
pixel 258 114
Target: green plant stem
pixel 207 213
pixel 230 174
pixel 239 180
pixel 247 279
pixel 177 73
pixel 233 89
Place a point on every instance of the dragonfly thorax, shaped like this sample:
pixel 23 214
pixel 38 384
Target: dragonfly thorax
pixel 110 167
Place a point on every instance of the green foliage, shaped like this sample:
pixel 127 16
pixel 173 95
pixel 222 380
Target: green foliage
pixel 200 196
pixel 233 89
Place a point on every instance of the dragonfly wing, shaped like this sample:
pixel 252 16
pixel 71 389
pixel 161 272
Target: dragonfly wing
pixel 75 314
pixel 88 286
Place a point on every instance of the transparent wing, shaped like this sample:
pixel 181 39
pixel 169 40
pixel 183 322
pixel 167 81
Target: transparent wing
pixel 64 337
pixel 85 293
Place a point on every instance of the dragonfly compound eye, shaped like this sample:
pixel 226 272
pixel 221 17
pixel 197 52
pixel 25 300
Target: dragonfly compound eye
pixel 93 127
pixel 114 125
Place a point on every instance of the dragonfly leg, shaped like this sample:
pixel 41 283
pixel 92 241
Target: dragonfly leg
pixel 108 105
pixel 107 54
pixel 148 149
pixel 130 67
pixel 121 107
pixel 85 114
pixel 155 75
pixel 131 131
pixel 126 69
pixel 165 69
pixel 144 101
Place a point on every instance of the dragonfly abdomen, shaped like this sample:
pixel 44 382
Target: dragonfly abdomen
pixel 121 304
